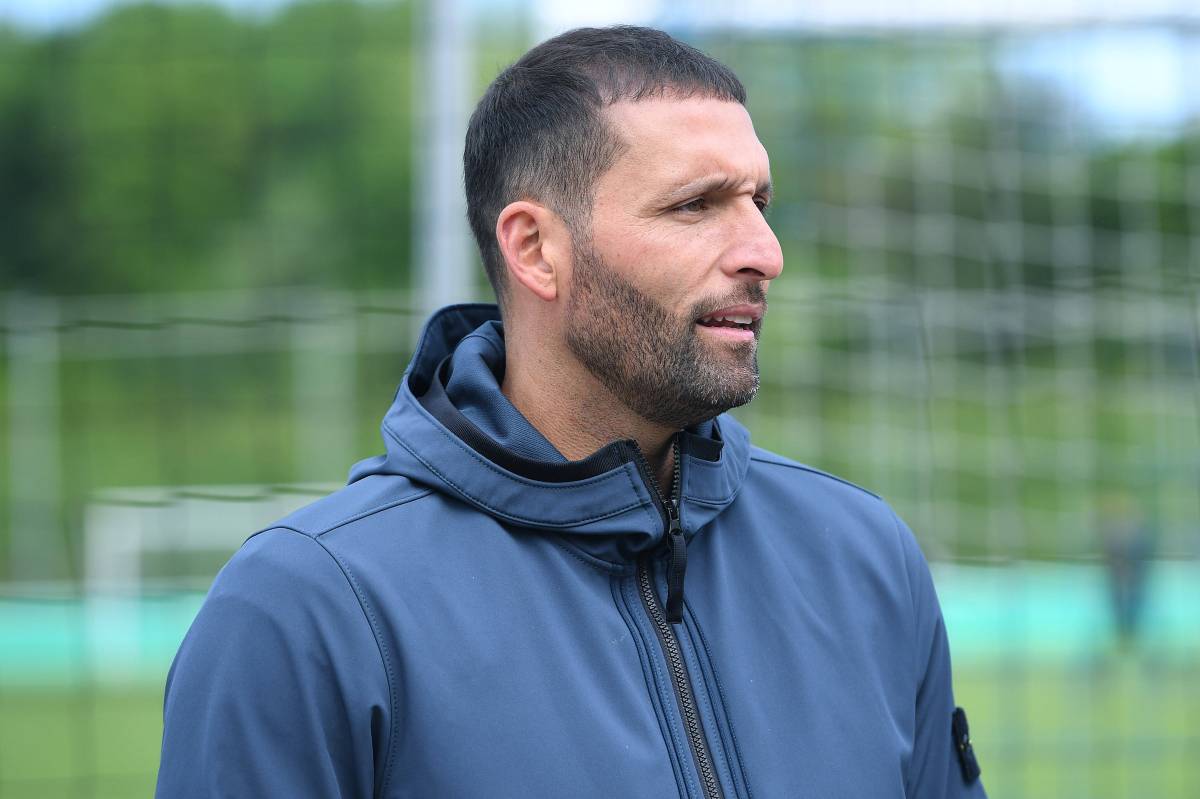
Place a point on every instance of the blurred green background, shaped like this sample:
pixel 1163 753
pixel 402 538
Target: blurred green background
pixel 221 224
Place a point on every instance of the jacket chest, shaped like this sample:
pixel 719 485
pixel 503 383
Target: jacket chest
pixel 572 686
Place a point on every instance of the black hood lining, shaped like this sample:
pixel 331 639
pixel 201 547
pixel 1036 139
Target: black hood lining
pixel 604 460
pixel 612 456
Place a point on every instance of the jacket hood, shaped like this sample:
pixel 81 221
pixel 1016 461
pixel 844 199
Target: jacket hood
pixel 452 429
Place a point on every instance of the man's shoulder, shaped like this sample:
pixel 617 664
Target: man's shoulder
pixel 839 522
pixel 362 500
pixel 809 475
pixel 848 517
pixel 312 552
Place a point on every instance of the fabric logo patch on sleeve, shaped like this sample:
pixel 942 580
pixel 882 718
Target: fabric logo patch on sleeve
pixel 962 746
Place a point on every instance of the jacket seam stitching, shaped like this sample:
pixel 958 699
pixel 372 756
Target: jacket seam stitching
pixel 918 672
pixel 912 599
pixel 372 624
pixel 711 713
pixel 815 473
pixel 712 503
pixel 649 674
pixel 655 521
pixel 354 517
pixel 590 561
pixel 712 668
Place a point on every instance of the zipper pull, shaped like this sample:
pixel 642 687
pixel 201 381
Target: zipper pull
pixel 676 566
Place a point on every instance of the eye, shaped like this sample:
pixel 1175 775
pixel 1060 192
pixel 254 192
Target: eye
pixel 763 204
pixel 693 206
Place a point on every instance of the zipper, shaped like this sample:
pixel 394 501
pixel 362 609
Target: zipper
pixel 675 542
pixel 663 620
pixel 683 686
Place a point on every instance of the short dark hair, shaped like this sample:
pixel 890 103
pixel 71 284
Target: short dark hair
pixel 539 133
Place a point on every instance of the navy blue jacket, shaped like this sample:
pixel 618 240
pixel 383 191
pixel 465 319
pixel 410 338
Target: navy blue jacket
pixel 475 616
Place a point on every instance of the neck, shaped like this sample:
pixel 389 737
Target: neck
pixel 576 412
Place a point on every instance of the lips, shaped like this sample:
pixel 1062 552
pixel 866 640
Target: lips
pixel 743 317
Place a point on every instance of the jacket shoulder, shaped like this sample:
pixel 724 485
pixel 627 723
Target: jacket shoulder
pixel 846 517
pixel 361 499
pixel 758 455
pixel 282 659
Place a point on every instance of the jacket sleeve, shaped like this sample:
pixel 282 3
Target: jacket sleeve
pixel 279 687
pixel 935 769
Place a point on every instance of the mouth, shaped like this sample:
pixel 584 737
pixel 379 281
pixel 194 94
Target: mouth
pixel 736 323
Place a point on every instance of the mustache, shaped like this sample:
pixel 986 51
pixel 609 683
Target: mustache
pixel 752 294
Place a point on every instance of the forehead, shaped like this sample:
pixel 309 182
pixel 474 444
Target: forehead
pixel 669 139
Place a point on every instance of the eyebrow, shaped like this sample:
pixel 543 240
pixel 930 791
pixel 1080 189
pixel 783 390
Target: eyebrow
pixel 712 184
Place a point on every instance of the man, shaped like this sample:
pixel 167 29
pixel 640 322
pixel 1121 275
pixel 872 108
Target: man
pixel 571 575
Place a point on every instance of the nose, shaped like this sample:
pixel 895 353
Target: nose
pixel 755 254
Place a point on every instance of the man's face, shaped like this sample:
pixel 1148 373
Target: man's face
pixel 678 239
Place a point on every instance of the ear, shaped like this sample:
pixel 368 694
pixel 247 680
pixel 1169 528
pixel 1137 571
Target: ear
pixel 531 239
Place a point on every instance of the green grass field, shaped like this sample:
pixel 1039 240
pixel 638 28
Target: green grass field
pixel 1123 727
pixel 84 742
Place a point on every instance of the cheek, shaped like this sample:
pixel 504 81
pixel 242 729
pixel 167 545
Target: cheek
pixel 647 262
pixel 667 266
pixel 624 247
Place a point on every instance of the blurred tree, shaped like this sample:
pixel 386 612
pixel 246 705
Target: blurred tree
pixel 178 146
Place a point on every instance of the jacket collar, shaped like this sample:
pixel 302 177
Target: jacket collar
pixel 451 428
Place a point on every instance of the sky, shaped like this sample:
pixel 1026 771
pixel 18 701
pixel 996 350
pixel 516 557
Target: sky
pixel 557 15
pixel 1135 79
pixel 554 15
pixel 1134 76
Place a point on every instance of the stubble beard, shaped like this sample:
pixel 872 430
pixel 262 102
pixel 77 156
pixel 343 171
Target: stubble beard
pixel 656 364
